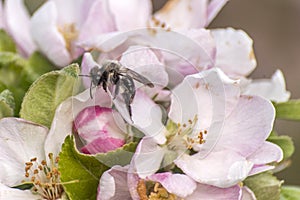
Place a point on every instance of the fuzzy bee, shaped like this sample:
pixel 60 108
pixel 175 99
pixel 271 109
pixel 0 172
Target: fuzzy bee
pixel 113 73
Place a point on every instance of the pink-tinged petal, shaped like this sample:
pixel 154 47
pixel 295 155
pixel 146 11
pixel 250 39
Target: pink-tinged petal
pixel 18 25
pixel 113 184
pixel 181 14
pixel 146 116
pixel 247 194
pixel 250 124
pixel 144 61
pixel 65 114
pixel 101 128
pixel 102 145
pixel 267 153
pixel 147 158
pixel 156 38
pixel 178 184
pixel 208 192
pixel 92 26
pixel 260 168
pixel 273 89
pixel 16 194
pixel 221 169
pixel 179 67
pixel 235 54
pixel 73 11
pixel 209 95
pixel 95 121
pixel 49 40
pixel 131 14
pixel 20 141
pixel 213 9
pixel 86 65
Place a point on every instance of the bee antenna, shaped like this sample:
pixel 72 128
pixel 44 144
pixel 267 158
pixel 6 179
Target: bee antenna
pixel 84 75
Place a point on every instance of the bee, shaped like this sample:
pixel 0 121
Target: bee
pixel 114 73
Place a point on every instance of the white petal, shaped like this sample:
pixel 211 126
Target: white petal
pixel 20 141
pixel 208 192
pixel 234 52
pixel 91 26
pixel 86 65
pixel 209 95
pixel 147 158
pixel 272 89
pixel 267 153
pixel 18 19
pixel 260 168
pixel 144 61
pixel 146 116
pixel 113 184
pixel 16 194
pixel 248 126
pixel 213 9
pixel 131 14
pixel 184 47
pixel 247 194
pixel 183 14
pixel 221 169
pixel 65 114
pixel 49 39
pixel 178 184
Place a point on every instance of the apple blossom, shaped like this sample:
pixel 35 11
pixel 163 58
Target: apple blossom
pixel 14 18
pixel 97 126
pixel 118 183
pixel 209 113
pixel 24 158
pixel 57 26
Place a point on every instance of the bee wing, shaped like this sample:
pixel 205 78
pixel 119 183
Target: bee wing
pixel 138 77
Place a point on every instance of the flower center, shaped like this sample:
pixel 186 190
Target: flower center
pixel 185 136
pixel 45 178
pixel 70 33
pixel 149 190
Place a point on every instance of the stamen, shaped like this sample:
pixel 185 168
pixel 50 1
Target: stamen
pixel 45 178
pixel 148 190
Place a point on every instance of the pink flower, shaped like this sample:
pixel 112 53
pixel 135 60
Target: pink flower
pixel 15 19
pixel 98 128
pixel 226 131
pixel 118 183
pixel 58 26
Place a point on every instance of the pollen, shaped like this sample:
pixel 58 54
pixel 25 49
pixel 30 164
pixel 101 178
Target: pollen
pixel 45 178
pixel 70 33
pixel 148 190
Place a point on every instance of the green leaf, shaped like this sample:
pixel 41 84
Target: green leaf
pixel 46 93
pixel 121 156
pixel 38 65
pixel 7 104
pixel 286 144
pixel 13 76
pixel 6 42
pixel 290 193
pixel 265 186
pixel 288 110
pixel 81 172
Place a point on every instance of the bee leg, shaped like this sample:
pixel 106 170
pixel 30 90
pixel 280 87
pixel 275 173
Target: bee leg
pixel 117 89
pixel 127 100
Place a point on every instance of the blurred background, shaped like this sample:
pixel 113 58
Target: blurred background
pixel 274 25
